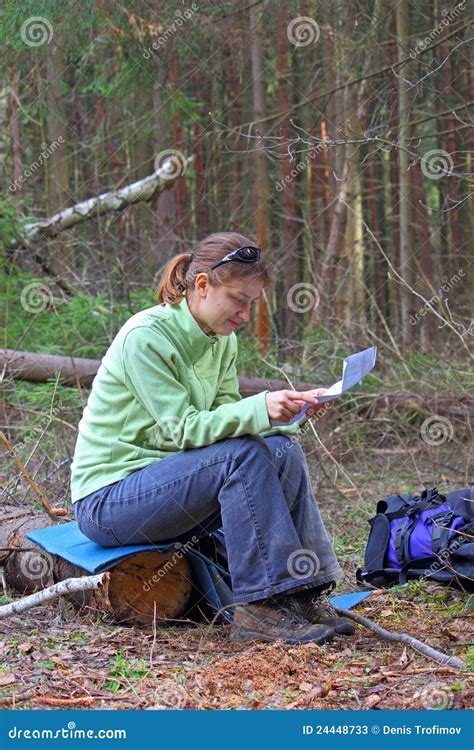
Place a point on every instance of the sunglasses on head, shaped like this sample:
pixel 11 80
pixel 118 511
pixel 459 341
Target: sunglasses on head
pixel 248 254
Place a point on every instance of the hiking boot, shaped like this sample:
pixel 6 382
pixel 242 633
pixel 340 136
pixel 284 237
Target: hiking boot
pixel 269 620
pixel 315 607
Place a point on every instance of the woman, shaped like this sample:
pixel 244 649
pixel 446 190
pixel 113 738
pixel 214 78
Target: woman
pixel 168 450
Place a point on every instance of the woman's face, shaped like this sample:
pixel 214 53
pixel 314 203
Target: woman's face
pixel 221 309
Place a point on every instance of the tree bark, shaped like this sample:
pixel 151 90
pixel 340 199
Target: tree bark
pixel 290 260
pixel 403 35
pixel 261 177
pixel 164 205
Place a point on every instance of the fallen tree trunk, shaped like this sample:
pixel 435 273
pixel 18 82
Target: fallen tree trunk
pixel 114 200
pixel 459 406
pixel 145 587
pixel 38 368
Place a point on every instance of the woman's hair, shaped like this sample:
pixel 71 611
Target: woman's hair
pixel 180 272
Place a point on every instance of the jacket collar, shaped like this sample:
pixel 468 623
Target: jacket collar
pixel 195 342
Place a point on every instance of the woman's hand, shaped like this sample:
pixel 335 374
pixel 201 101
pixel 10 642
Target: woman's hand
pixel 283 405
pixel 323 409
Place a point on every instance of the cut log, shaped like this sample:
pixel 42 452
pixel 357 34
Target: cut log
pixel 26 567
pixel 38 368
pixel 145 587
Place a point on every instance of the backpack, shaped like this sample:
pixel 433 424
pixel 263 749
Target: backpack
pixel 421 536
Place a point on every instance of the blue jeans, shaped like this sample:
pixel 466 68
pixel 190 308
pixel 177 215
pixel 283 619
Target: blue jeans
pixel 258 489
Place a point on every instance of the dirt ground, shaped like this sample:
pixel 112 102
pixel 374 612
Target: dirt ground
pixel 54 657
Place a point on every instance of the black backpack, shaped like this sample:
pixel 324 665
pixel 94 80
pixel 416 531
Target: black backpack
pixel 421 536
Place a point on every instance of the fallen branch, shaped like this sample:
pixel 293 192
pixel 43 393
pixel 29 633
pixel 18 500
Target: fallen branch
pixel 408 640
pixel 9 700
pixel 51 700
pixel 114 200
pixel 68 586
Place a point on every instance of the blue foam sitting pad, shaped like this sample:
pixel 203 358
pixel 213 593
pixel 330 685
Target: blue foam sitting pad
pixel 211 579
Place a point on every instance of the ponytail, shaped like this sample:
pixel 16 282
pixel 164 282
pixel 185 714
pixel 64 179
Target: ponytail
pixel 173 282
pixel 180 272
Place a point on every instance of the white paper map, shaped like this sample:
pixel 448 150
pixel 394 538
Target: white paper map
pixel 355 367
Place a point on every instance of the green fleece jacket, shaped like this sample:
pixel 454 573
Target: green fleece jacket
pixel 163 386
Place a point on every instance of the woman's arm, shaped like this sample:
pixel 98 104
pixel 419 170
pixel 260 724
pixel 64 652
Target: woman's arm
pixel 151 377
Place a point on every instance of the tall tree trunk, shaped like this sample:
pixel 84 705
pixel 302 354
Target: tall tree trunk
pixel 330 272
pixel 164 207
pixel 178 144
pixel 424 259
pixel 57 164
pixel 290 259
pixel 236 120
pixel 455 234
pixel 374 191
pixel 16 138
pixel 403 38
pixel 61 251
pixel 262 195
pixel 6 176
pixel 202 218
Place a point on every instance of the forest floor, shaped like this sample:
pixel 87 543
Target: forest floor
pixel 53 657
